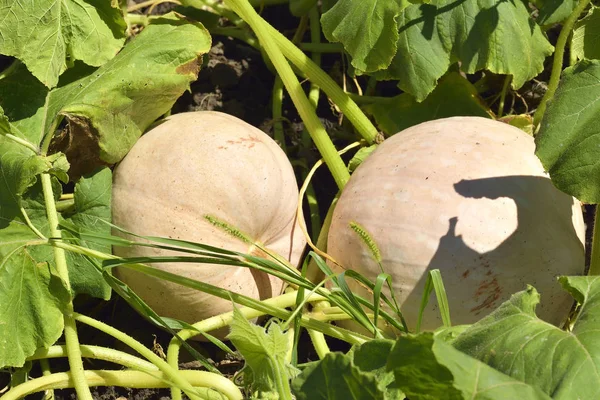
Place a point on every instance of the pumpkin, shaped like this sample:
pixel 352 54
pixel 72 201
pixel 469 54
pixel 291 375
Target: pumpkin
pixel 199 164
pixel 467 196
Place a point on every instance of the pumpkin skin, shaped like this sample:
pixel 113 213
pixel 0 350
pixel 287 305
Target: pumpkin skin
pixel 206 163
pixel 467 196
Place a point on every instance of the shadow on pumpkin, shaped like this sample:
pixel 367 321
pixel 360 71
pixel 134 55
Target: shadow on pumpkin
pixel 477 283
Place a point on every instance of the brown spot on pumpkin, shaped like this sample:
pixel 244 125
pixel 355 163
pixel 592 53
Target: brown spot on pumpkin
pixel 466 273
pixel 249 141
pixel 190 68
pixel 491 290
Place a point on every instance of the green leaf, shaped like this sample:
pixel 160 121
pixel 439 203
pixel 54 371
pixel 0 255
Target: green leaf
pixel 49 35
pixel 553 11
pixel 586 33
pixel 498 36
pixel 568 140
pixel 368 30
pixel 265 354
pixel 109 108
pixel 334 377
pixel 33 297
pixel 513 340
pixel 360 374
pixel 403 111
pixel 92 206
pixel 371 357
pixel 4 124
pixel 426 368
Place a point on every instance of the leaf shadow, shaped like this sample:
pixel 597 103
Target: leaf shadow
pixel 474 284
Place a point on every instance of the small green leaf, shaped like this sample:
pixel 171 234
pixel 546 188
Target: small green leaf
pixel 403 111
pixel 368 30
pixel 516 342
pixel 49 35
pixel 568 142
pixel 265 354
pixel 430 369
pixel 586 34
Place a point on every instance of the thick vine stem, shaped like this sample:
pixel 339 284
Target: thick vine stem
pixel 313 124
pixel 131 379
pixel 595 258
pixel 98 353
pixel 172 374
pixel 360 121
pixel 70 329
pixel 557 63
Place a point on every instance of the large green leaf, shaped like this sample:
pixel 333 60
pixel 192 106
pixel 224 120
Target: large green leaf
pixel 568 142
pixel 368 30
pixel 563 364
pixel 430 369
pixel 480 34
pixel 586 34
pixel 32 296
pixel 48 36
pixel 454 96
pixel 108 108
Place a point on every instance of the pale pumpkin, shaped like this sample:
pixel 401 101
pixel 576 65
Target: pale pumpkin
pixel 197 164
pixel 468 196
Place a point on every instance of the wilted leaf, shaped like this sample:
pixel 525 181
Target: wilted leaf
pixel 110 107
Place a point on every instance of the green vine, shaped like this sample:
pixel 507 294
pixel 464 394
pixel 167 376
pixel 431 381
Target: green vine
pixel 557 64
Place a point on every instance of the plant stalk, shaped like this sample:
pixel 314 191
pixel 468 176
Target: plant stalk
pixel 595 258
pixel 557 63
pixel 98 353
pixel 313 124
pixel 70 329
pixel 172 374
pixel 131 379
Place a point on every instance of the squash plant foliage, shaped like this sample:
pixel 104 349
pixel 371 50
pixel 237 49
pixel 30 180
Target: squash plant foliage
pixel 82 88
